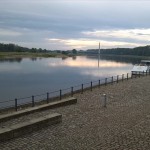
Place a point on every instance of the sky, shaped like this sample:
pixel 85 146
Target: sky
pixel 75 24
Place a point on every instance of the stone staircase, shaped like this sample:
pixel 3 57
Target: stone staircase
pixel 32 119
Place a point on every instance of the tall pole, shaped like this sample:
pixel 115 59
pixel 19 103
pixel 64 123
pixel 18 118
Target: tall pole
pixel 99 54
pixel 99 47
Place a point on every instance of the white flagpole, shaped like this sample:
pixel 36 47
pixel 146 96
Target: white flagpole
pixel 99 55
pixel 99 47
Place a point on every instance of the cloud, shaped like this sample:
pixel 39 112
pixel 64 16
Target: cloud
pixel 75 23
pixel 90 43
pixel 136 34
pixel 8 32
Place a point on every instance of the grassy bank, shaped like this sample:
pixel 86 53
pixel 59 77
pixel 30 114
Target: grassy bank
pixel 59 55
pixel 29 54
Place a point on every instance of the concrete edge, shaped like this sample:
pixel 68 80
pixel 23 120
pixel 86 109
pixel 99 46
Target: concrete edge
pixel 51 105
pixel 29 126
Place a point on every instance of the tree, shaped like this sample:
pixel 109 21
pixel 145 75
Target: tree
pixel 74 51
pixel 64 52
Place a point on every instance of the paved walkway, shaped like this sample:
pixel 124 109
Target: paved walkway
pixel 87 125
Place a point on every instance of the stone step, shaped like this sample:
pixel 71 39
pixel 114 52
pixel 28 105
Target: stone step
pixel 27 111
pixel 28 126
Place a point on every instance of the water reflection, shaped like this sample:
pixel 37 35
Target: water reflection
pixel 122 59
pixel 39 75
pixel 91 68
pixel 84 62
pixel 17 59
pixel 6 68
pixel 33 58
pixel 74 57
pixel 11 60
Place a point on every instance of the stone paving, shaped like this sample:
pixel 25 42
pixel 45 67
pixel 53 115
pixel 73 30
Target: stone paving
pixel 123 125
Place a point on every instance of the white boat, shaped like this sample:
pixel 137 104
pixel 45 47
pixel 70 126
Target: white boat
pixel 141 68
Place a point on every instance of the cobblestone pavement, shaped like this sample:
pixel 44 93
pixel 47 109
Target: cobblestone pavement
pixel 87 125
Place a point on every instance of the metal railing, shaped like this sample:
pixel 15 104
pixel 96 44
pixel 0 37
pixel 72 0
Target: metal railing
pixel 48 97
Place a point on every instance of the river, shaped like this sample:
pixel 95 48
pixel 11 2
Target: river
pixel 23 77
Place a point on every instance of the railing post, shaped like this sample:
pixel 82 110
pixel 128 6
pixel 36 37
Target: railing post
pixel 143 73
pixel 16 107
pixel 122 77
pixel 72 91
pixel 47 97
pixel 135 75
pixel 131 75
pixel 99 83
pixel 91 85
pixel 117 78
pixel 112 80
pixel 146 72
pixel 127 76
pixel 82 89
pixel 104 100
pixel 60 94
pixel 105 81
pixel 139 74
pixel 33 101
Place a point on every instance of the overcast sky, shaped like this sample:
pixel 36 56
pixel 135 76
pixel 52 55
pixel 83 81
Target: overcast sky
pixel 79 24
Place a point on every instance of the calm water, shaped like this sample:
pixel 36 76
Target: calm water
pixel 26 77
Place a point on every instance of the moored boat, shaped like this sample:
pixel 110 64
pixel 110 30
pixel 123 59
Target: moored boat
pixel 141 68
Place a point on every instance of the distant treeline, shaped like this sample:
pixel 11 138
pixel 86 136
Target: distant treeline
pixel 138 51
pixel 16 48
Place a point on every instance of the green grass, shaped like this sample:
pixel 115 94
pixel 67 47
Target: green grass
pixel 29 54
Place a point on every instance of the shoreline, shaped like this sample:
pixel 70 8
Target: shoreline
pixel 58 55
pixel 29 55
pixel 123 124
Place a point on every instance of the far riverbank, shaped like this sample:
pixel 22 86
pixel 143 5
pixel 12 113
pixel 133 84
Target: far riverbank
pixel 30 55
pixel 60 55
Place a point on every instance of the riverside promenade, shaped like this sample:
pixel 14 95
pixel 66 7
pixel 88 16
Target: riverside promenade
pixel 123 125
